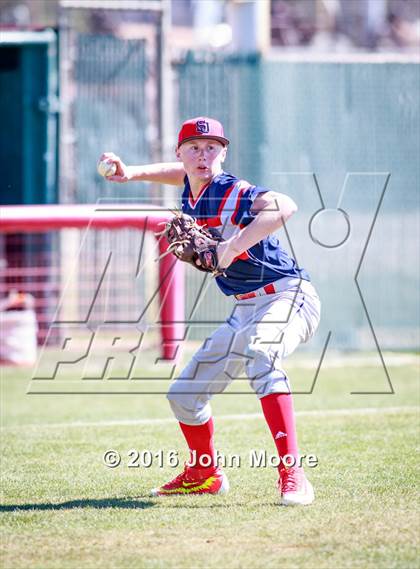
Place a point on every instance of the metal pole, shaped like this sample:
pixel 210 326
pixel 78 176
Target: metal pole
pixel 166 98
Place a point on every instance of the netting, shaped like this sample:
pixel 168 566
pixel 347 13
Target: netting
pixel 110 110
pixel 97 273
pixel 329 134
pixel 110 97
pixel 348 123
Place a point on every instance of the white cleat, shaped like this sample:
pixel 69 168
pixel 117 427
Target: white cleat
pixel 295 488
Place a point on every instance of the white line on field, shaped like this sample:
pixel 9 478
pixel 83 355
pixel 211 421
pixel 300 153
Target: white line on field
pixel 235 417
pixel 337 361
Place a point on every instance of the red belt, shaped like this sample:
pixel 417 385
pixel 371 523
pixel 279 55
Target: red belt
pixel 267 289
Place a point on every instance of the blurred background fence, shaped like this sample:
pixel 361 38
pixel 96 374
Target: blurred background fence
pixel 110 80
pixel 351 124
pixel 330 130
pixel 67 272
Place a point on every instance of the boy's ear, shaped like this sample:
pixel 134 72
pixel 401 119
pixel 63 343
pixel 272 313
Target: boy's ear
pixel 224 154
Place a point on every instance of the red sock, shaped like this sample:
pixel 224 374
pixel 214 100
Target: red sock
pixel 279 414
pixel 200 442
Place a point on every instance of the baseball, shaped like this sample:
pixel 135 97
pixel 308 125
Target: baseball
pixel 106 168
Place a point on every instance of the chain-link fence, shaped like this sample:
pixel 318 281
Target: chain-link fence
pixel 331 135
pixel 313 130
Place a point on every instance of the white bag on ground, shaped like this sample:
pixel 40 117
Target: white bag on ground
pixel 18 337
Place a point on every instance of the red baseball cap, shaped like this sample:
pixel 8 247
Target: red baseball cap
pixel 202 127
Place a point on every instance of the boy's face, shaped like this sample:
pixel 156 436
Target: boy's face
pixel 202 158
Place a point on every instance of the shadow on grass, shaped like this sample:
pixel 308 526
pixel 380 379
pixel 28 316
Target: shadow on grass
pixel 123 503
pixel 178 505
pixel 191 502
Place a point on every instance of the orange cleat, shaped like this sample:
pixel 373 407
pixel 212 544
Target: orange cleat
pixel 195 481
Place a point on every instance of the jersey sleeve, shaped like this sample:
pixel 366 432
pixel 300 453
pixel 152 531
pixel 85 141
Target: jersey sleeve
pixel 242 215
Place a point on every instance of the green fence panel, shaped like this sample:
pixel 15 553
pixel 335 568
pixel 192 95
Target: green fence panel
pixel 226 88
pixel 11 191
pixel 348 130
pixel 229 89
pixel 111 111
pixel 352 125
pixel 28 133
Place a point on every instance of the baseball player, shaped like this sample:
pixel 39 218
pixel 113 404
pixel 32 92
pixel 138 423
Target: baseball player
pixel 276 308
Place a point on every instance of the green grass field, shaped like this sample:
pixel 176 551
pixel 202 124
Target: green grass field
pixel 62 507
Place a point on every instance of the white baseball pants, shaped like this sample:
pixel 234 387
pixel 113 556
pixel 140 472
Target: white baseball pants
pixel 258 335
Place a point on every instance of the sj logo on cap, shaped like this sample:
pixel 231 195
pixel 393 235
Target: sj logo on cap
pixel 203 127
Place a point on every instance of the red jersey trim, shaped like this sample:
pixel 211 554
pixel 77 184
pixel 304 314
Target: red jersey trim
pixel 243 257
pixel 238 203
pixel 216 221
pixel 209 221
pixel 224 199
pixel 193 202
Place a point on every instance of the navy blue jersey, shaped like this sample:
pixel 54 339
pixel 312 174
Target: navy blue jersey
pixel 225 204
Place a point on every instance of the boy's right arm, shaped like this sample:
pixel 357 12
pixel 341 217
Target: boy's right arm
pixel 171 173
